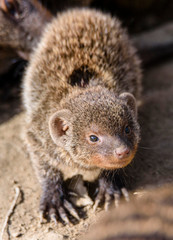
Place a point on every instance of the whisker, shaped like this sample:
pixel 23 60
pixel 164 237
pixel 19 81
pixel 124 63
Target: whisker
pixel 146 148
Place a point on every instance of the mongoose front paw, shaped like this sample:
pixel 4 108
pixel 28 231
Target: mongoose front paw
pixel 55 206
pixel 108 192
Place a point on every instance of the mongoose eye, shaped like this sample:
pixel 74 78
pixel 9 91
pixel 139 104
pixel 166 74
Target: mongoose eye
pixel 127 130
pixel 94 138
pixel 10 7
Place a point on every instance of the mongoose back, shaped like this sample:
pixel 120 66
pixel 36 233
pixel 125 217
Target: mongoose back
pixel 21 24
pixel 80 92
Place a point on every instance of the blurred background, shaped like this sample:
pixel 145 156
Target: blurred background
pixel 136 15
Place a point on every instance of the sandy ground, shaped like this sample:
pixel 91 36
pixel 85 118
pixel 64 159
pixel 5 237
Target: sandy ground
pixel 153 164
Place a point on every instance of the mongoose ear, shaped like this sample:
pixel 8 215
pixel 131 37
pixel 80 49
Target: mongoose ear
pixel 59 123
pixel 130 100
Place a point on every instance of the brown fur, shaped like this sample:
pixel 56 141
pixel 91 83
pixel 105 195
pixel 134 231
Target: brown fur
pixel 104 48
pixel 20 29
pixel 75 85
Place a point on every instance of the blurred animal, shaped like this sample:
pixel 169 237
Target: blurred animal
pixel 148 218
pixel 21 25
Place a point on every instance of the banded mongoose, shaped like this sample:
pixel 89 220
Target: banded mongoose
pixel 80 91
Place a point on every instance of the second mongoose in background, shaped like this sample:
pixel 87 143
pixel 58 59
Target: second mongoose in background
pixel 80 93
pixel 21 24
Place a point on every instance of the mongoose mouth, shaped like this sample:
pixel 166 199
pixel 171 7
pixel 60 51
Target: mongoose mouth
pixel 110 162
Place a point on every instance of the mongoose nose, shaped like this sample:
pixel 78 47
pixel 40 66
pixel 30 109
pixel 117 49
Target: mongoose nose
pixel 122 152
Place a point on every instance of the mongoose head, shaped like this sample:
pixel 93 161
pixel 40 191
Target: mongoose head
pixel 97 128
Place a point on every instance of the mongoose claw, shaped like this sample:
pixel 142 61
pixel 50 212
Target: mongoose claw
pixel 63 215
pixel 95 206
pixel 116 198
pixel 42 217
pixel 125 194
pixel 108 199
pixel 71 209
pixel 53 218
